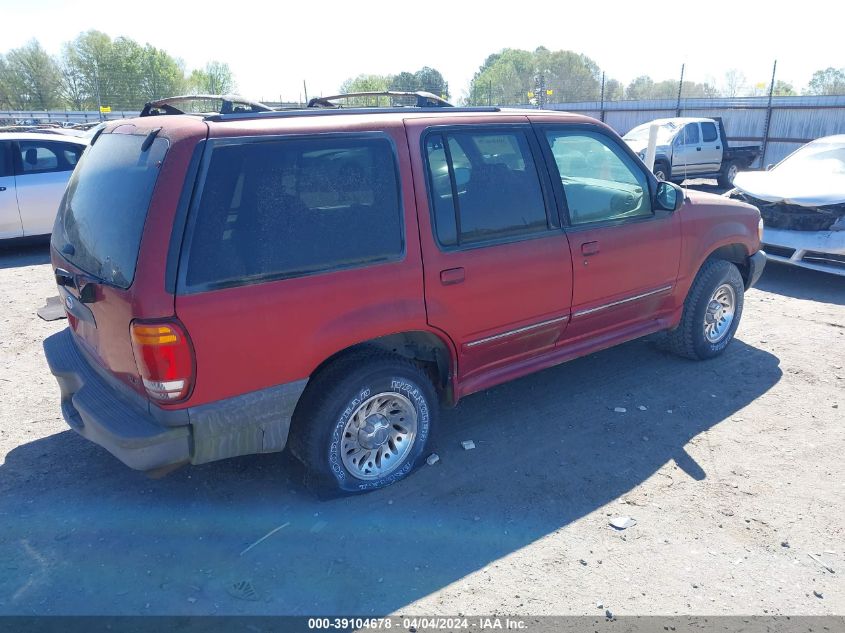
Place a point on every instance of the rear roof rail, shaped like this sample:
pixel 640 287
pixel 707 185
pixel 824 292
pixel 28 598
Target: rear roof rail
pixel 423 99
pixel 228 104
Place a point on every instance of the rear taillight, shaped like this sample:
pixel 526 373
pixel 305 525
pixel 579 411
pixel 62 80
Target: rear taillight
pixel 165 359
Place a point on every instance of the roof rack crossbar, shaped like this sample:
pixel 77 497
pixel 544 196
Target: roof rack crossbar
pixel 424 99
pixel 229 104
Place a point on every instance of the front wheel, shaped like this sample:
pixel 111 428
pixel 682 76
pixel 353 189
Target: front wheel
pixel 363 423
pixel 712 311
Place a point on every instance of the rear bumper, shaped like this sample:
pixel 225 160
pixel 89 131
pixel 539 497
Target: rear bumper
pixel 756 264
pixel 256 422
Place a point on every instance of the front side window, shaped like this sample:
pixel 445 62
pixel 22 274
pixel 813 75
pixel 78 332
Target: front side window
pixel 600 181
pixel 5 162
pixel 691 136
pixel 46 156
pixel 484 186
pixel 287 208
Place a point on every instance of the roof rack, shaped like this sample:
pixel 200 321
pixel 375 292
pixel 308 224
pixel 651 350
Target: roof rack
pixel 424 99
pixel 229 104
pixel 308 112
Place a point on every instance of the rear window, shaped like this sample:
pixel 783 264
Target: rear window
pixel 286 208
pixel 101 218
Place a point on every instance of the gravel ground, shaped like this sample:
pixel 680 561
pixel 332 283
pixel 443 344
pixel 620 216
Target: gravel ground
pixel 733 472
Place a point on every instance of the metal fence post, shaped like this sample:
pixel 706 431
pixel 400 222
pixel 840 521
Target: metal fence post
pixel 601 107
pixel 680 88
pixel 768 123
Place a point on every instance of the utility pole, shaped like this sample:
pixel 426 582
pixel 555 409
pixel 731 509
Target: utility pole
pixel 680 87
pixel 305 90
pixel 490 93
pixel 97 84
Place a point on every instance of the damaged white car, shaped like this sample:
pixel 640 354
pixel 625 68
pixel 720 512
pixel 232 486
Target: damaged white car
pixel 802 202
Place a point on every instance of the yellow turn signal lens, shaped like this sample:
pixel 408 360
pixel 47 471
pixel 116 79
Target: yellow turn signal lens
pixel 153 335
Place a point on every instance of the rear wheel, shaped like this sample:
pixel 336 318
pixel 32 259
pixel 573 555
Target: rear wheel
pixel 712 311
pixel 363 423
pixel 726 178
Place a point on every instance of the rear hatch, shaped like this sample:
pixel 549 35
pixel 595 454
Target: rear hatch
pixel 112 225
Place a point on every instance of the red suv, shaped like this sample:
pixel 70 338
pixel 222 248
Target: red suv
pixel 324 279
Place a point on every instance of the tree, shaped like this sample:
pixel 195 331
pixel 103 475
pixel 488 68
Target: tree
pixel 216 79
pixel 507 77
pixel 613 90
pixel 162 75
pixel 784 89
pixel 32 78
pixel 72 87
pixel 430 80
pixel 830 81
pixel 735 83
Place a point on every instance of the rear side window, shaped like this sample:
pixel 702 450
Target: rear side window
pixel 47 156
pixel 286 208
pixel 708 132
pixel 484 186
pixel 101 218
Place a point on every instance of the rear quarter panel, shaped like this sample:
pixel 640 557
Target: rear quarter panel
pixel 256 336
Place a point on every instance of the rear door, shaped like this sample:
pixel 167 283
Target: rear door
pixel 498 273
pixel 625 254
pixel 42 171
pixel 711 147
pixel 10 219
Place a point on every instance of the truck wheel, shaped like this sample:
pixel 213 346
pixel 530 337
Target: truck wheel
pixel 363 422
pixel 661 171
pixel 726 177
pixel 712 311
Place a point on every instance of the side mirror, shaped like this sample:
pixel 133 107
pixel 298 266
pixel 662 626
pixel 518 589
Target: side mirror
pixel 669 196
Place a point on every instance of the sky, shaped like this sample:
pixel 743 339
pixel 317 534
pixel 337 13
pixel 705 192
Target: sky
pixel 272 47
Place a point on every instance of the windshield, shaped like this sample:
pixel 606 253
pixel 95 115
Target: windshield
pixel 817 158
pixel 99 223
pixel 665 132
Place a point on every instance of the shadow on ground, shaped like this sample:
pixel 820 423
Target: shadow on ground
pixel 793 281
pixel 24 252
pixel 83 534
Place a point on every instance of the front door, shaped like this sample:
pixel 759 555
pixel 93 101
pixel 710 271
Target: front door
pixel 625 254
pixel 687 152
pixel 498 273
pixel 10 219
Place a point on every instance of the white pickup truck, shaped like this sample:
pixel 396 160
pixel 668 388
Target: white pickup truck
pixel 690 147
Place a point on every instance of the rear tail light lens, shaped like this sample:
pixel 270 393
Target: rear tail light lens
pixel 165 359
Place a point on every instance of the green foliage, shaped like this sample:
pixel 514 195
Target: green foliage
pixel 644 87
pixel 215 79
pixel 30 78
pixel 784 89
pixel 506 78
pixel 830 81
pixel 94 70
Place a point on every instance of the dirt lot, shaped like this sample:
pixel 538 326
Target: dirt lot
pixel 734 473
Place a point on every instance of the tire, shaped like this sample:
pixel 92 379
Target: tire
pixel 727 175
pixel 661 171
pixel 389 399
pixel 699 335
